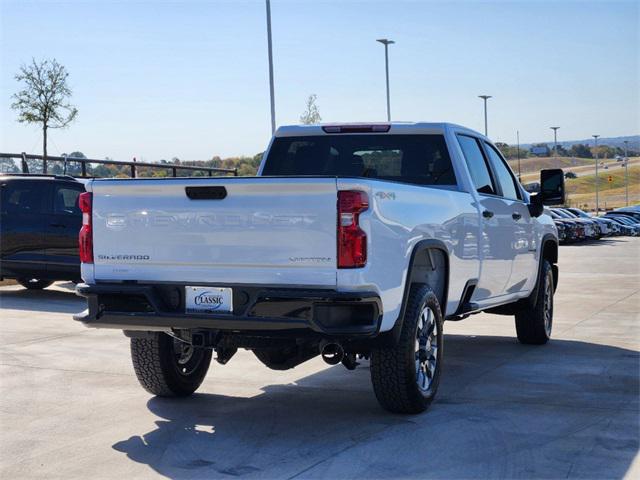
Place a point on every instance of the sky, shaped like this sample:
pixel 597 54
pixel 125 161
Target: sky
pixel 189 79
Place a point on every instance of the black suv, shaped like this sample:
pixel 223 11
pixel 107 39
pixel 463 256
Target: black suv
pixel 39 226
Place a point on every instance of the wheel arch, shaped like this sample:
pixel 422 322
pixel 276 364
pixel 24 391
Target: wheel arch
pixel 427 255
pixel 549 251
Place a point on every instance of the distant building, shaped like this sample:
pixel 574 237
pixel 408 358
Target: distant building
pixel 540 150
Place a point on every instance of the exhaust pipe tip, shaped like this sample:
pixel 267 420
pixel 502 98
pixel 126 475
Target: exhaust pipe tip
pixel 332 353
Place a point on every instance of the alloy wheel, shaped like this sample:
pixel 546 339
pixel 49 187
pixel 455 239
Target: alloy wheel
pixel 548 306
pixel 426 349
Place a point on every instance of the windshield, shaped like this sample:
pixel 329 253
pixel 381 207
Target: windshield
pixel 618 220
pixel 580 213
pixel 569 213
pixel 631 215
pixel 418 159
pixel 562 214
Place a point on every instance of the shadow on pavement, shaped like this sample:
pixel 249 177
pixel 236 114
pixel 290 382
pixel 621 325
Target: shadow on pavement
pixel 47 300
pixel 567 409
pixel 602 241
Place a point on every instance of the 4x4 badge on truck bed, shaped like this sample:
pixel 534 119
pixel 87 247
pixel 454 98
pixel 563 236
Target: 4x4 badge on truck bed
pixel 386 195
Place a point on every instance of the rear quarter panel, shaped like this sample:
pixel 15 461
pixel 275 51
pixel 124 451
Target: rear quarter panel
pixel 400 216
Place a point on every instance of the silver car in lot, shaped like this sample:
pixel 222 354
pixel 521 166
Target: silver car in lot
pixel 607 227
pixel 632 226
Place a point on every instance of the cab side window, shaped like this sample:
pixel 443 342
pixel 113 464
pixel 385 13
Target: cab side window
pixel 504 176
pixel 477 165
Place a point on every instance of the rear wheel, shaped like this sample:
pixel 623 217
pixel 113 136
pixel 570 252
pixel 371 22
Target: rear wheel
pixel 533 325
pixel 405 377
pixel 167 367
pixel 34 283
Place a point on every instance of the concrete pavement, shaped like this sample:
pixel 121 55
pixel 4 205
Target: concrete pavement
pixel 72 408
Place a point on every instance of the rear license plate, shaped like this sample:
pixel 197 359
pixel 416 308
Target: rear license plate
pixel 208 300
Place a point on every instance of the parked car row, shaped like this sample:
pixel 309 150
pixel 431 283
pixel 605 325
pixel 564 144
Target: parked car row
pixel 575 225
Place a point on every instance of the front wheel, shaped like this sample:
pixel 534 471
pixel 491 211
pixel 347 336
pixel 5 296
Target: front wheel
pixel 167 367
pixel 533 325
pixel 405 377
pixel 34 283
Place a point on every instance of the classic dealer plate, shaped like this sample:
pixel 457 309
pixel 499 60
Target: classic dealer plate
pixel 208 300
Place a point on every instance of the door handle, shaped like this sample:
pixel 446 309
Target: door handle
pixel 487 214
pixel 516 216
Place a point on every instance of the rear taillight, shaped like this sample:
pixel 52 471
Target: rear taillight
pixel 352 240
pixel 85 238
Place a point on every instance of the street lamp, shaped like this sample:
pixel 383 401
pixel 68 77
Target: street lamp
pixel 485 98
pixel 386 42
pixel 273 100
pixel 597 186
pixel 518 147
pixel 626 173
pixel 555 140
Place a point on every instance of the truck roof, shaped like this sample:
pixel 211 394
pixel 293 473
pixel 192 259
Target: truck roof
pixel 406 128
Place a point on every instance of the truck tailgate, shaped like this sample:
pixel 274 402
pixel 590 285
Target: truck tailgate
pixel 279 231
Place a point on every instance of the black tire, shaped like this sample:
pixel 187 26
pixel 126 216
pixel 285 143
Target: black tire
pixel 34 283
pixel 396 371
pixel 164 369
pixel 534 324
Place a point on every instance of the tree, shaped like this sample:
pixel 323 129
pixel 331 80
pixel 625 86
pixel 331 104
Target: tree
pixel 44 97
pixel 7 165
pixel 511 152
pixel 581 151
pixel 311 115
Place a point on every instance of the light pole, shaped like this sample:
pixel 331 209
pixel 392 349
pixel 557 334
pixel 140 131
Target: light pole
pixel 273 100
pixel 485 98
pixel 597 186
pixel 626 174
pixel 555 140
pixel 518 147
pixel 386 42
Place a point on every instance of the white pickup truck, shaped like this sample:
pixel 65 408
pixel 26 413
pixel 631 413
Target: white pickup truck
pixel 354 241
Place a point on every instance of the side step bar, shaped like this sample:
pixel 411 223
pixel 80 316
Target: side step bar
pixel 465 307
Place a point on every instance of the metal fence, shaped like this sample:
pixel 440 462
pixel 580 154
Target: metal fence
pixel 133 166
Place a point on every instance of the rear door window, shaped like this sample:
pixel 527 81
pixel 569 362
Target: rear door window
pixel 477 165
pixel 416 159
pixel 65 199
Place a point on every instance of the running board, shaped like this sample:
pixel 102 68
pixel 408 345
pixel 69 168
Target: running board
pixel 466 307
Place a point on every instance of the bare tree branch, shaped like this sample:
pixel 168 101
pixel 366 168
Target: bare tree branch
pixel 311 114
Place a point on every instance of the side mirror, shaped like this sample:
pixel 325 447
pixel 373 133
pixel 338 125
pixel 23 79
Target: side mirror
pixel 535 206
pixel 551 191
pixel 551 187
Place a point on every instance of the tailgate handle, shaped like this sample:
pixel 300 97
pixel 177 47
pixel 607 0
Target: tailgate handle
pixel 206 193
